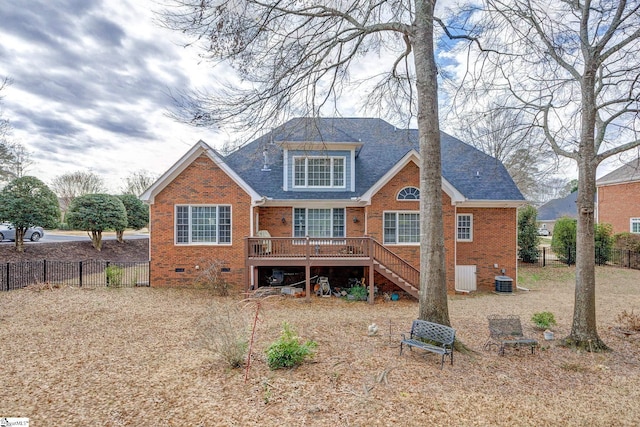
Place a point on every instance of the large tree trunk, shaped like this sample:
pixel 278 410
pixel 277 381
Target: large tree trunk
pixel 20 239
pixel 433 285
pixel 96 240
pixel 584 333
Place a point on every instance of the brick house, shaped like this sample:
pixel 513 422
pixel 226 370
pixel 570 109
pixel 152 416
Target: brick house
pixel 336 198
pixel 618 198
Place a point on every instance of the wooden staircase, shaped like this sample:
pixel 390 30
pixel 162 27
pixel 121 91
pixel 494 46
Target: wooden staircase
pixel 396 269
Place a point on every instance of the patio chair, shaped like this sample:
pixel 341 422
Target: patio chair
pixel 507 331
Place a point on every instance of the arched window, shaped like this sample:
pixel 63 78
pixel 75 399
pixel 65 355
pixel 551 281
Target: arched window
pixel 409 193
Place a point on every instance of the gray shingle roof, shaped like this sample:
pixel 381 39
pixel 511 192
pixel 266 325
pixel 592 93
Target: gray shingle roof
pixel 476 175
pixel 557 208
pixel 627 173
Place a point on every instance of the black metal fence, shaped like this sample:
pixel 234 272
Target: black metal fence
pixel 616 257
pixel 16 275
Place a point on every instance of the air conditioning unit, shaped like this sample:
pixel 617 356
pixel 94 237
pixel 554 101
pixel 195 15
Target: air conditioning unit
pixel 504 284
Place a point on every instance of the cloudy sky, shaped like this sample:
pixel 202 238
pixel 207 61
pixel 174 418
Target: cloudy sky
pixel 91 82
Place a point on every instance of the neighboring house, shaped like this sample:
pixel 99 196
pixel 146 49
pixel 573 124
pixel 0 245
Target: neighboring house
pixel 330 197
pixel 555 209
pixel 618 198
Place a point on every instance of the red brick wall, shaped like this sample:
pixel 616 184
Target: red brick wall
pixel 203 182
pixel 386 200
pixel 200 183
pixel 617 204
pixel 494 242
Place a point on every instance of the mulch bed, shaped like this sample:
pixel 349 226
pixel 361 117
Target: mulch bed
pixel 129 250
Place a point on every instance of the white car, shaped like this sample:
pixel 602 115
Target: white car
pixel 543 232
pixel 8 232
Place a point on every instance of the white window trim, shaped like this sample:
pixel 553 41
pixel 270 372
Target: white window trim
pixel 317 240
pixel 408 200
pixel 190 243
pixel 470 239
pixel 631 222
pixel 306 172
pixel 396 243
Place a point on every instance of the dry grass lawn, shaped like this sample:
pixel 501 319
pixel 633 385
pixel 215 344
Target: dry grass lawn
pixel 112 357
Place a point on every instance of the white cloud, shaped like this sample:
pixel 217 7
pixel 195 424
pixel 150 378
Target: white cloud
pixel 91 84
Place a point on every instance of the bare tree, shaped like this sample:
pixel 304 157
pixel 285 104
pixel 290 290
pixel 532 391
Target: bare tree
pixel 296 58
pixel 21 159
pixel 137 182
pixel 6 154
pixel 506 135
pixel 574 68
pixel 71 185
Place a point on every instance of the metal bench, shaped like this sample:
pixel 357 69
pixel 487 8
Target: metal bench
pixel 431 337
pixel 507 331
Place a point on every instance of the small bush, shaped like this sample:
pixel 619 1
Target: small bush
pixel 563 241
pixel 627 242
pixel 211 277
pixel 225 334
pixel 629 321
pixel 360 293
pixel 114 275
pixel 543 319
pixel 287 351
pixel 603 242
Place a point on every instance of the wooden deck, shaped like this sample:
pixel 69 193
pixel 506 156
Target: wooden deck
pixel 326 252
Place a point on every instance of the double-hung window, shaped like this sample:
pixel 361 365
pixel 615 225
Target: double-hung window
pixel 635 225
pixel 318 222
pixel 401 227
pixel 465 228
pixel 319 172
pixel 203 224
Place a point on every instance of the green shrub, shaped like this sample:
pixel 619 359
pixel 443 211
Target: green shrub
pixel 563 242
pixel 543 319
pixel 603 242
pixel 114 275
pixel 287 351
pixel 627 241
pixel 528 239
pixel 360 293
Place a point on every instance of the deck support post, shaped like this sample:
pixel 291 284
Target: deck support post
pixel 371 284
pixel 307 275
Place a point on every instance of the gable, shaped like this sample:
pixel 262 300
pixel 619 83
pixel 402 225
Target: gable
pixel 630 172
pixel 199 151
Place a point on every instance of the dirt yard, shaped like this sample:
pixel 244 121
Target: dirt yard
pixel 137 357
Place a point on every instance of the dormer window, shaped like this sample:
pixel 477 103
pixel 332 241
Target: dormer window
pixel 319 172
pixel 409 193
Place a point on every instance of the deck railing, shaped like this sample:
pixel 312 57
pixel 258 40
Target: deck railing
pixel 341 248
pixel 396 264
pixel 305 247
